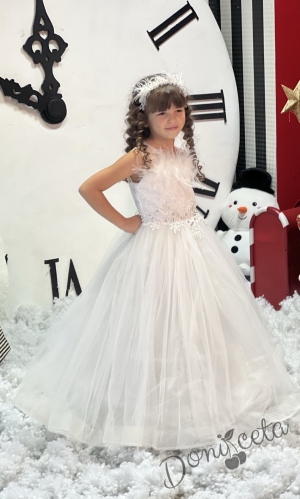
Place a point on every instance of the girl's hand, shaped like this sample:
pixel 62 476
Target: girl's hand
pixel 133 224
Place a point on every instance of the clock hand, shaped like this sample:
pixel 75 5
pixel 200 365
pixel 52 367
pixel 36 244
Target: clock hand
pixel 50 107
pixel 53 109
pixel 43 34
pixel 50 104
pixel 24 95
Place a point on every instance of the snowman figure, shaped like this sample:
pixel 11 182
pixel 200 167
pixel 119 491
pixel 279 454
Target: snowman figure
pixel 251 192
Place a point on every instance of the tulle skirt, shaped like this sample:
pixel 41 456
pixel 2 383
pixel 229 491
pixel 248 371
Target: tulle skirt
pixel 164 348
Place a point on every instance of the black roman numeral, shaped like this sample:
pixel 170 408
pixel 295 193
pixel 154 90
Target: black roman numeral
pixel 206 192
pixel 204 213
pixel 72 276
pixel 208 106
pixel 156 34
pixel 53 276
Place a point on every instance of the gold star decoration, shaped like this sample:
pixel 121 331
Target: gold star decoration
pixel 293 103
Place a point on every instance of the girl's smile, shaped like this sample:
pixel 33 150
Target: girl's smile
pixel 167 124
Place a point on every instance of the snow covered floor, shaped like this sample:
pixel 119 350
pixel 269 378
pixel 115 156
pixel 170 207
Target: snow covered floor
pixel 37 465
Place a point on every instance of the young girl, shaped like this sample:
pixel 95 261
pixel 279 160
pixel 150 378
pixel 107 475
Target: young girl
pixel 165 347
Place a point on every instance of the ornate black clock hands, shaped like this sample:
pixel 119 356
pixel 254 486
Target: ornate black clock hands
pixel 39 47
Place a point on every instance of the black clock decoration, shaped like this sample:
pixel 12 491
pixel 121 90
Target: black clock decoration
pixel 156 34
pixel 50 104
pixel 214 110
pixel 72 277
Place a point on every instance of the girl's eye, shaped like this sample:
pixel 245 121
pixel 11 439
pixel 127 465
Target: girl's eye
pixel 161 113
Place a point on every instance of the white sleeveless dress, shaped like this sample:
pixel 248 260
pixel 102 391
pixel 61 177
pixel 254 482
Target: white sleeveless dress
pixel 165 347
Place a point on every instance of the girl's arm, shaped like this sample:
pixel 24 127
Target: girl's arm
pixel 92 189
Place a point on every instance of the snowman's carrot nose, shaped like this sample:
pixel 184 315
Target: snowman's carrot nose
pixel 242 209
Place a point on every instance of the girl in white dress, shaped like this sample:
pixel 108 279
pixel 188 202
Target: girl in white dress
pixel 165 347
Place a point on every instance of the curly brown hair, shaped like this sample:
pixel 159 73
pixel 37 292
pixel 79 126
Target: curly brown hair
pixel 160 99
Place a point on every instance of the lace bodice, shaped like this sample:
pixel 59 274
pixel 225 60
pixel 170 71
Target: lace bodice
pixel 164 194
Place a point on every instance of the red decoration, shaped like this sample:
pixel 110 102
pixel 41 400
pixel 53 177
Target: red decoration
pixel 275 254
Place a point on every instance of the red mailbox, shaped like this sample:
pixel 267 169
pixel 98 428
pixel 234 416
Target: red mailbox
pixel 275 254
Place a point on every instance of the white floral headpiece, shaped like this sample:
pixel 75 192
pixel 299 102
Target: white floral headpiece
pixel 143 89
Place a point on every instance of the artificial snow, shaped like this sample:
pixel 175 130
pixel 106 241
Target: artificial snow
pixel 41 465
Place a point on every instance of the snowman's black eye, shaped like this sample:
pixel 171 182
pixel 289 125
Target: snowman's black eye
pixel 234 202
pixel 254 204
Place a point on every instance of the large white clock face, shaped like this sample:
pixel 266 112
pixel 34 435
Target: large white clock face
pixel 45 222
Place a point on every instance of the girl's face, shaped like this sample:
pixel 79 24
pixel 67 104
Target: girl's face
pixel 166 124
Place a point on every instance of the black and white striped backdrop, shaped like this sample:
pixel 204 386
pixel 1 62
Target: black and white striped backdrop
pixel 248 29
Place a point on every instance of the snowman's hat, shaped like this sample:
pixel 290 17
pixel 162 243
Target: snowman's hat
pixel 254 178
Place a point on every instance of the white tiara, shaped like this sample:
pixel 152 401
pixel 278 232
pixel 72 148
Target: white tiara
pixel 142 90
